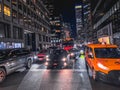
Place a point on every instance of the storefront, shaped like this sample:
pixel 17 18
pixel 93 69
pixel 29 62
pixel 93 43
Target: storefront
pixel 8 45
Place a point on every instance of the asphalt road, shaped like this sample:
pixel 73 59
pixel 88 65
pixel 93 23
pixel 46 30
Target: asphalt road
pixel 39 78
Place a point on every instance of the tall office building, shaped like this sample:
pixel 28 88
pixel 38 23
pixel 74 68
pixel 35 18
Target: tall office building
pixel 79 20
pixel 87 20
pixel 49 4
pixel 24 23
pixel 55 21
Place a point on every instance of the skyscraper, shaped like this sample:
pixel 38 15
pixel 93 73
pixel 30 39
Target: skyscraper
pixel 79 21
pixel 87 21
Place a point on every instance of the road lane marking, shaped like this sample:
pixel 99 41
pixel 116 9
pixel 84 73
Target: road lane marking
pixel 32 79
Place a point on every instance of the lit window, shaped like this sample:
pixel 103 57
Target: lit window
pixel 6 10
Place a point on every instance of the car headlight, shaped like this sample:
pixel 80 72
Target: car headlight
pixel 47 59
pixel 64 59
pixel 102 66
pixel 47 56
pixel 35 57
pixel 72 54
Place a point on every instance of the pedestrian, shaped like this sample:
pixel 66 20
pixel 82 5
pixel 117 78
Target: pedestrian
pixel 81 60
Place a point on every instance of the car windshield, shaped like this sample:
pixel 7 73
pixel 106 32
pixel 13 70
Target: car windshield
pixel 107 53
pixel 73 50
pixel 43 51
pixel 58 52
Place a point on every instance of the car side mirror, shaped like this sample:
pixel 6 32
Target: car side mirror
pixel 90 56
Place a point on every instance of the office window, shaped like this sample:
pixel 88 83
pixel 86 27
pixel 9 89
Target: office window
pixel 6 10
pixel 15 32
pixel 2 30
pixel 24 9
pixel 20 33
pixel 14 2
pixel 20 5
pixel 7 30
pixel 40 37
pixel 14 14
pixel 44 38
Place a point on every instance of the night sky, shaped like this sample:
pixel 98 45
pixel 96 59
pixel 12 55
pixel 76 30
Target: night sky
pixel 67 9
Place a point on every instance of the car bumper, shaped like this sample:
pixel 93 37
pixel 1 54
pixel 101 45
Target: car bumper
pixel 56 64
pixel 40 59
pixel 111 77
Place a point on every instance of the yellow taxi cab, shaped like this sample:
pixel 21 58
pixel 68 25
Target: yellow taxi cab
pixel 103 62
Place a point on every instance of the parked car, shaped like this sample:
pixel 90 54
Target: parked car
pixel 57 59
pixel 103 62
pixel 13 59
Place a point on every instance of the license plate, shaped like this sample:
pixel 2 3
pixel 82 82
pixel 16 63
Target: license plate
pixel 40 58
pixel 55 64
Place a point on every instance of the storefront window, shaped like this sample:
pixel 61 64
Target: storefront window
pixel 2 45
pixel 18 45
pixel 6 10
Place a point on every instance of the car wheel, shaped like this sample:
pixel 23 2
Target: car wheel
pixel 29 64
pixel 2 75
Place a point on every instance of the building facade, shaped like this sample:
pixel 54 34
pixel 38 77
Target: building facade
pixel 55 21
pixel 24 23
pixel 79 21
pixel 87 21
pixel 106 19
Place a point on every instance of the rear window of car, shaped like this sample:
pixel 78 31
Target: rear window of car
pixel 43 51
pixel 61 51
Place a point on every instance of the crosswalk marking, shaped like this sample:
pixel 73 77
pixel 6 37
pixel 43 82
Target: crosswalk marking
pixel 33 79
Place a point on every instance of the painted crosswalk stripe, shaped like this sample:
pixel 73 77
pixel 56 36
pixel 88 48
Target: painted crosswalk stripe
pixel 32 80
